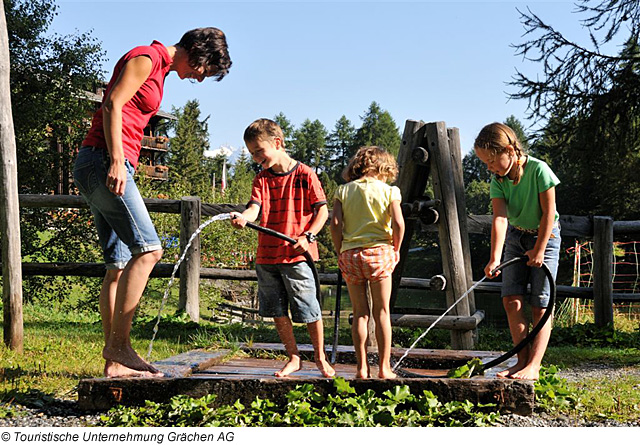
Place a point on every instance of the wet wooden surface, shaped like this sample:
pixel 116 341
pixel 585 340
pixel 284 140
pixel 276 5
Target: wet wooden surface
pixel 197 373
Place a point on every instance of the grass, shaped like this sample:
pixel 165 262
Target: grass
pixel 61 347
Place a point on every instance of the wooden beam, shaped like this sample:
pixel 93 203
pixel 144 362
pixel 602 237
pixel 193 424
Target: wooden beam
pixel 449 228
pixel 452 322
pixel 9 206
pixel 409 171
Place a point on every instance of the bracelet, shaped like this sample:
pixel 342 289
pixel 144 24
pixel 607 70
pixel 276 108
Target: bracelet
pixel 310 237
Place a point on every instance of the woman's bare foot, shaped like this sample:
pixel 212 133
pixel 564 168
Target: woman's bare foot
pixel 324 367
pixel 507 373
pixel 527 373
pixel 294 364
pixel 116 370
pixel 128 358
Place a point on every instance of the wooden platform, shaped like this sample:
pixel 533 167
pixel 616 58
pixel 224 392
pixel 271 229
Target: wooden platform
pixel 197 373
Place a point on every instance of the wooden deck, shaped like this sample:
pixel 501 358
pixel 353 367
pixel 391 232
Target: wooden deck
pixel 197 373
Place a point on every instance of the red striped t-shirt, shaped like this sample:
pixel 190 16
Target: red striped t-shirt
pixel 287 202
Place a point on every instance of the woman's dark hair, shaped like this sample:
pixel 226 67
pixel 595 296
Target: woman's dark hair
pixel 207 47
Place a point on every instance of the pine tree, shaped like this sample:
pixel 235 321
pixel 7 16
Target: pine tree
pixel 309 145
pixel 378 128
pixel 339 144
pixel 186 151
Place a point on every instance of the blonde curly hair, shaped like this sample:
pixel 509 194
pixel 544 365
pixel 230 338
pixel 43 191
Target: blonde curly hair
pixel 371 161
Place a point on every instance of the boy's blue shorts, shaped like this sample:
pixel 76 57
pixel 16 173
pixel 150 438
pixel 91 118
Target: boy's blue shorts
pixel 515 278
pixel 281 286
pixel 123 222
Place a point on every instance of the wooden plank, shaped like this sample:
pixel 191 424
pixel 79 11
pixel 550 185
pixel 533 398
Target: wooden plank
pixel 452 322
pixel 10 207
pixel 77 202
pixel 449 228
pixel 185 364
pixel 509 395
pixel 190 266
pixel 603 270
pixel 574 226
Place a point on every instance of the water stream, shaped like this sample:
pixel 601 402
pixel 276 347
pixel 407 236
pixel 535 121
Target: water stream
pixel 436 322
pixel 220 217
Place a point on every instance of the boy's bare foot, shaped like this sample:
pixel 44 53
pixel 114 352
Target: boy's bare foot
pixel 294 364
pixel 129 358
pixel 527 373
pixel 116 370
pixel 507 373
pixel 324 367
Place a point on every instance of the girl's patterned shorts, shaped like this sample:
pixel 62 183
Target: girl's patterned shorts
pixel 367 264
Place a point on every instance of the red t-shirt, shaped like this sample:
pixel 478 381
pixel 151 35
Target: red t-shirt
pixel 142 106
pixel 287 201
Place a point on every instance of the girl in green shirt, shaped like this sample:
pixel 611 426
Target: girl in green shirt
pixel 525 222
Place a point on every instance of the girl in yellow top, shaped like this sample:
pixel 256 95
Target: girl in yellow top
pixel 367 229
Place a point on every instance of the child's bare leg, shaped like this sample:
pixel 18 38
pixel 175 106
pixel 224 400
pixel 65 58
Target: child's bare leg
pixel 285 331
pixel 107 302
pixel 316 333
pixel 514 306
pixel 359 331
pixel 538 347
pixel 381 295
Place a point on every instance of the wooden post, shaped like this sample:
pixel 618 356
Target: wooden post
pixel 372 341
pixel 461 203
pixel 407 178
pixel 9 206
pixel 453 261
pixel 190 268
pixel 603 270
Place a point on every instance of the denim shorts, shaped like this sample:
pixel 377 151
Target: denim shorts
pixel 281 286
pixel 123 222
pixel 515 278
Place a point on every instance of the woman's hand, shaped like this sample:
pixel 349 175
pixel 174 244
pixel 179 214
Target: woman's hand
pixel 117 178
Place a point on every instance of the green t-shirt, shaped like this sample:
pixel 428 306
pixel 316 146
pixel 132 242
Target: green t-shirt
pixel 523 201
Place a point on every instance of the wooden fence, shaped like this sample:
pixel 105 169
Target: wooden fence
pixel 601 229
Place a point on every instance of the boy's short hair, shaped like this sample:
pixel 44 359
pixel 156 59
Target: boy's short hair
pixel 262 129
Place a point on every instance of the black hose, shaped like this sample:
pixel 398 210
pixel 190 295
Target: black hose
pixel 543 320
pixel 306 255
pixel 529 338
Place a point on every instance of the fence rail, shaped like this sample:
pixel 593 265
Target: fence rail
pixel 601 229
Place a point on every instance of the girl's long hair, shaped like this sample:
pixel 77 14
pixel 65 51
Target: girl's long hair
pixel 496 137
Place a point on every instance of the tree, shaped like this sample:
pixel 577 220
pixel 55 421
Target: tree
pixel 286 127
pixel 340 144
pixel 240 185
pixel 378 128
pixel 186 150
pixel 309 145
pixel 49 76
pixel 593 99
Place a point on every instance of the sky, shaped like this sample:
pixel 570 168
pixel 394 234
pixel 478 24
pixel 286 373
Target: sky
pixel 429 61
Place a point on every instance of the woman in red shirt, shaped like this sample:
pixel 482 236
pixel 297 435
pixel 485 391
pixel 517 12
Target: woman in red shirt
pixel 104 171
